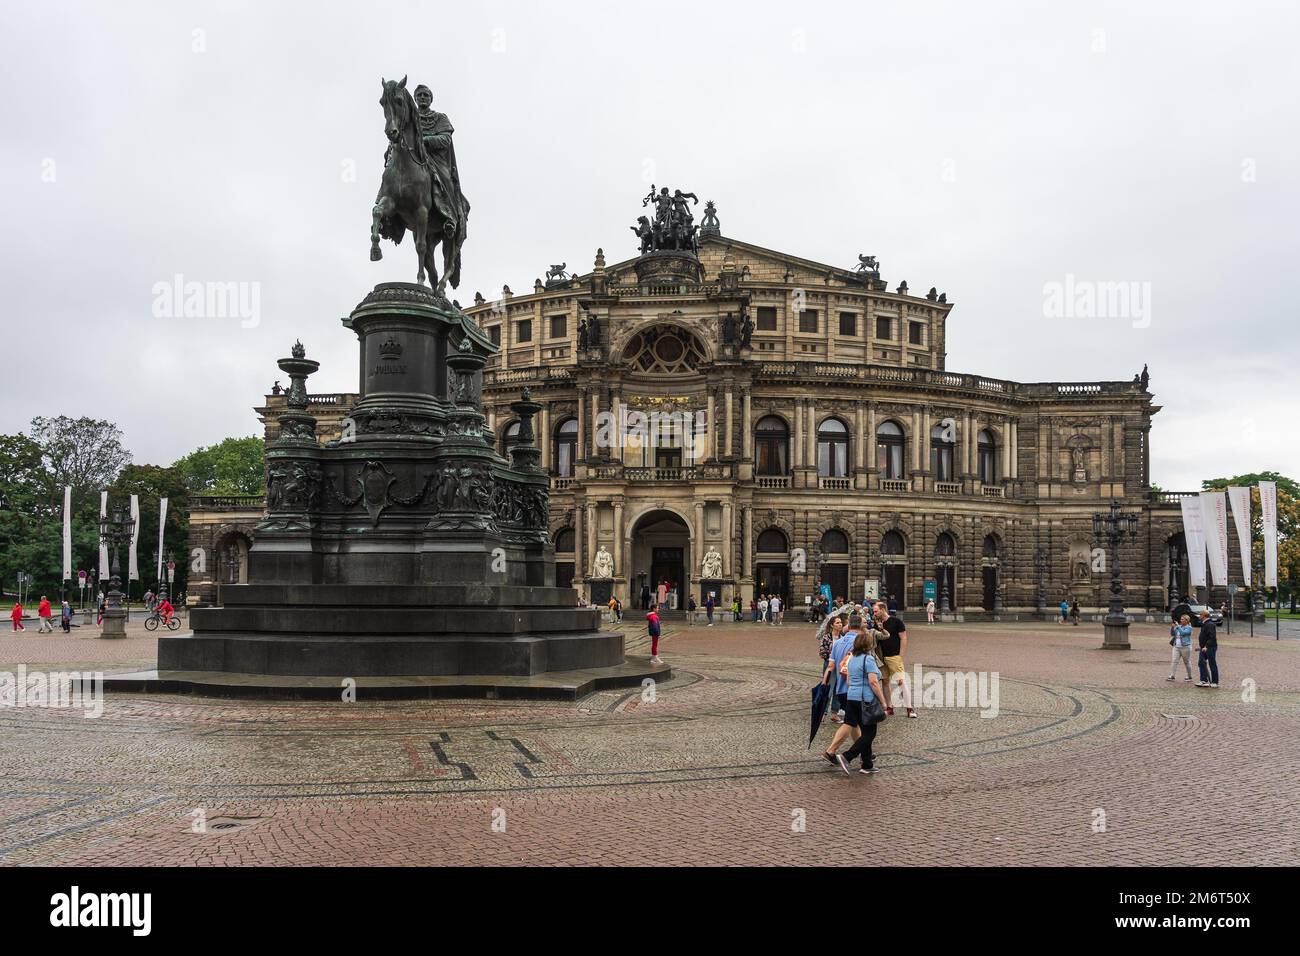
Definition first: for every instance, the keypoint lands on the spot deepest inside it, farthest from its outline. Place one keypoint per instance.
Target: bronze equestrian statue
(420, 190)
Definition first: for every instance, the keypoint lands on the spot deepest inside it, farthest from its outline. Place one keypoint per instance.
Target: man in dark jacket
(1209, 646)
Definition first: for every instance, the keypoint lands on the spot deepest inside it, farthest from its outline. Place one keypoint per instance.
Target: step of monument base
(368, 655)
(570, 685)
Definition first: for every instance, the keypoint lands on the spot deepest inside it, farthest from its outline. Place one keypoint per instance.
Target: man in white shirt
(776, 609)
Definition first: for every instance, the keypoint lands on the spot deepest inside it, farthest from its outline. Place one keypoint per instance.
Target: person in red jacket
(16, 615)
(44, 613)
(165, 610)
(652, 625)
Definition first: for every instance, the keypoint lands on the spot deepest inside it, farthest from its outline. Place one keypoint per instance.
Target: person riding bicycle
(165, 610)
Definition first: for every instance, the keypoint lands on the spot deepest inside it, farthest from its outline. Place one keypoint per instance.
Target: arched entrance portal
(661, 548)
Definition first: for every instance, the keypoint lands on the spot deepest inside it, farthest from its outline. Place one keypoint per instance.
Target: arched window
(564, 541)
(832, 449)
(889, 450)
(941, 447)
(566, 447)
(891, 543)
(771, 446)
(945, 546)
(772, 541)
(988, 458)
(835, 541)
(509, 437)
(991, 546)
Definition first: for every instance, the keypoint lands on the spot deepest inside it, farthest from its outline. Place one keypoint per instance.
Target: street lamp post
(114, 531)
(1114, 526)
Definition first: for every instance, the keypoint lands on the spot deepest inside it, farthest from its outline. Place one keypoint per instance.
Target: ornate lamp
(115, 529)
(1114, 527)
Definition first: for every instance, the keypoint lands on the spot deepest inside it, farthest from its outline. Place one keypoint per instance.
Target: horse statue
(557, 272)
(406, 192)
(867, 264)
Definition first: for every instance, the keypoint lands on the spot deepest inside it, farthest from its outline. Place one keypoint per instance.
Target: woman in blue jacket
(863, 675)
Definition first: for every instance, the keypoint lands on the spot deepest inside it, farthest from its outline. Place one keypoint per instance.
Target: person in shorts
(840, 652)
(892, 647)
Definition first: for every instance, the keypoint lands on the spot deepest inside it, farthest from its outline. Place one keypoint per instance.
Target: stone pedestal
(114, 622)
(1115, 633)
(408, 548)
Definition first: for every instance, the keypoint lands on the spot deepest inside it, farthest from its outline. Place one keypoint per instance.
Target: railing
(947, 487)
(924, 376)
(562, 484)
(1172, 497)
(994, 491)
(219, 502)
(895, 484)
(773, 481)
(835, 484)
(548, 373)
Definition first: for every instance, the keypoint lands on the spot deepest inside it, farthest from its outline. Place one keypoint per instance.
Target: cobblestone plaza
(708, 768)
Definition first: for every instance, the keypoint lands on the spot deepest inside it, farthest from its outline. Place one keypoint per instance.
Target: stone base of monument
(114, 624)
(570, 685)
(351, 630)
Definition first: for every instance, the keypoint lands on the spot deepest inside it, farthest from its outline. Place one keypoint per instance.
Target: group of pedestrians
(768, 609)
(1069, 611)
(863, 657)
(1207, 640)
(45, 612)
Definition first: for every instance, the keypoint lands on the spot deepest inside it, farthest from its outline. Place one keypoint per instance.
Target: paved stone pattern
(710, 768)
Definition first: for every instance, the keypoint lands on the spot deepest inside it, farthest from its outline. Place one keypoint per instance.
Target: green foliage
(85, 453)
(231, 467)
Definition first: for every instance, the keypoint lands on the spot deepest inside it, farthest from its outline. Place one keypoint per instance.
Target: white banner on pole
(1194, 534)
(1268, 514)
(133, 574)
(1239, 498)
(67, 532)
(103, 547)
(1214, 518)
(162, 521)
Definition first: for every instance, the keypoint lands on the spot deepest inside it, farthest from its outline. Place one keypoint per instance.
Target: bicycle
(153, 620)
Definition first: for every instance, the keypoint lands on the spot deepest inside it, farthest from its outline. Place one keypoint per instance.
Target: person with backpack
(690, 610)
(1207, 661)
(708, 608)
(65, 618)
(652, 626)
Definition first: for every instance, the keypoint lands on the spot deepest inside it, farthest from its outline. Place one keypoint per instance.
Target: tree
(85, 453)
(231, 467)
(152, 483)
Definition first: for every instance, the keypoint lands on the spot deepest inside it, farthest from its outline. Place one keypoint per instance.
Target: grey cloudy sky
(987, 149)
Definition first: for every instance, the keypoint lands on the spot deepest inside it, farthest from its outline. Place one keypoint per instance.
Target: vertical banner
(1194, 533)
(1268, 514)
(103, 548)
(162, 521)
(1239, 498)
(133, 574)
(1214, 519)
(67, 532)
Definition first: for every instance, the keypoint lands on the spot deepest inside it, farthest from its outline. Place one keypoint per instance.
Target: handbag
(873, 711)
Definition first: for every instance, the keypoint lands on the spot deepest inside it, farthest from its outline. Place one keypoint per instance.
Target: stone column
(711, 445)
(728, 533)
(726, 401)
(797, 450)
(747, 544)
(871, 438)
(581, 450)
(918, 440)
(1015, 451)
(544, 438)
(1006, 449)
(618, 540)
(579, 543)
(595, 418)
(812, 434)
(747, 426)
(697, 545)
